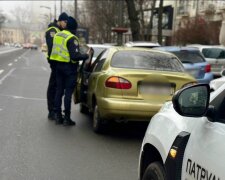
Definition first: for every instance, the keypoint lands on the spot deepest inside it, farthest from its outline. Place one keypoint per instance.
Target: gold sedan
(128, 84)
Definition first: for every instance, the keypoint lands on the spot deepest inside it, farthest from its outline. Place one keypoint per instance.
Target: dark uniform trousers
(66, 81)
(51, 91)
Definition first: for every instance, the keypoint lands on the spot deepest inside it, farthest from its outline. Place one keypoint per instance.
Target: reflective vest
(50, 28)
(60, 51)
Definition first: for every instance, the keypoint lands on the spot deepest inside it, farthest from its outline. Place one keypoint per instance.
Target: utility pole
(55, 9)
(174, 17)
(197, 6)
(120, 30)
(120, 22)
(61, 6)
(75, 10)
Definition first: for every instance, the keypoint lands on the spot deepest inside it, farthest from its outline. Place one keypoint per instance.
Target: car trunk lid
(152, 85)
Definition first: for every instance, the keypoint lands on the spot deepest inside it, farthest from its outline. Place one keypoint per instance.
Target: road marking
(27, 61)
(1, 109)
(15, 60)
(8, 74)
(10, 64)
(25, 53)
(1, 71)
(21, 97)
(8, 51)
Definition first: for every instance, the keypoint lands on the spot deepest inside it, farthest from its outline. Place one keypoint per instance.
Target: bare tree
(160, 22)
(134, 21)
(197, 31)
(2, 18)
(100, 16)
(23, 18)
(150, 25)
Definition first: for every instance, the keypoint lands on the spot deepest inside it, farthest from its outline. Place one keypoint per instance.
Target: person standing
(66, 53)
(53, 28)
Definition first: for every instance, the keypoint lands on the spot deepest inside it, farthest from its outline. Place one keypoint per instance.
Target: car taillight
(118, 83)
(207, 68)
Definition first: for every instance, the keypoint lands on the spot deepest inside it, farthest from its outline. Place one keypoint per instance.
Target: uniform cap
(63, 17)
(71, 23)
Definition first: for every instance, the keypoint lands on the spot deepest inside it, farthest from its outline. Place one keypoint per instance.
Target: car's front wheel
(155, 171)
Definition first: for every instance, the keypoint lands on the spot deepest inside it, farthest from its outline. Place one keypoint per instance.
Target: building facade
(12, 32)
(210, 11)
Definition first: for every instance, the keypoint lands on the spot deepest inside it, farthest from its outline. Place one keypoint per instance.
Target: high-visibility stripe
(53, 27)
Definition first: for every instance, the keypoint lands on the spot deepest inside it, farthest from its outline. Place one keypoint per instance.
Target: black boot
(51, 115)
(67, 121)
(58, 118)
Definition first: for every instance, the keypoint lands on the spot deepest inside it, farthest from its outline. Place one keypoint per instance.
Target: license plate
(156, 90)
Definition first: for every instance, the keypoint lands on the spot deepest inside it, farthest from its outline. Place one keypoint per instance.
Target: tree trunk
(150, 26)
(160, 22)
(133, 17)
(142, 30)
(222, 34)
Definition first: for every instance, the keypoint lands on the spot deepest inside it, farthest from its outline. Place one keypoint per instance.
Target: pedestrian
(53, 28)
(66, 53)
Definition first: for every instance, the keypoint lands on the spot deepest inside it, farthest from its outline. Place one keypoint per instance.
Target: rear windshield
(189, 56)
(146, 60)
(215, 53)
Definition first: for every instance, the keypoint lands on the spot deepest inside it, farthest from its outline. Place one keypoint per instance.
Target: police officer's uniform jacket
(66, 48)
(53, 28)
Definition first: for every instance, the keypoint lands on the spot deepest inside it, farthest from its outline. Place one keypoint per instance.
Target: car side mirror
(192, 101)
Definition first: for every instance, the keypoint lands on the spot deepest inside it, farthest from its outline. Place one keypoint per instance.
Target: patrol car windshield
(146, 60)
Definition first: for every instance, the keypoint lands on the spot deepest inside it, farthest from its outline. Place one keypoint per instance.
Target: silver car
(215, 56)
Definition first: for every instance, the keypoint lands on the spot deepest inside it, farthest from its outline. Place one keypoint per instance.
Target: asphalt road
(34, 148)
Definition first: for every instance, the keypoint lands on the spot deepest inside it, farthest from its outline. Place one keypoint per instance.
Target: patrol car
(185, 140)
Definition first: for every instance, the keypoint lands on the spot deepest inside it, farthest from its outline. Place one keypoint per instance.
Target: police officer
(53, 28)
(66, 53)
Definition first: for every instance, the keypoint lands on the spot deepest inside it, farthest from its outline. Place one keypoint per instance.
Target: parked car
(216, 83)
(34, 46)
(193, 61)
(27, 46)
(215, 56)
(17, 45)
(128, 84)
(185, 139)
(144, 44)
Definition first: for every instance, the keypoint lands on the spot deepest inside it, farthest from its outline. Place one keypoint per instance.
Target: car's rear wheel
(98, 124)
(84, 109)
(155, 171)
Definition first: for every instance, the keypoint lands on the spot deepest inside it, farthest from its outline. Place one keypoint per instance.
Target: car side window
(99, 65)
(97, 60)
(100, 62)
(219, 105)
